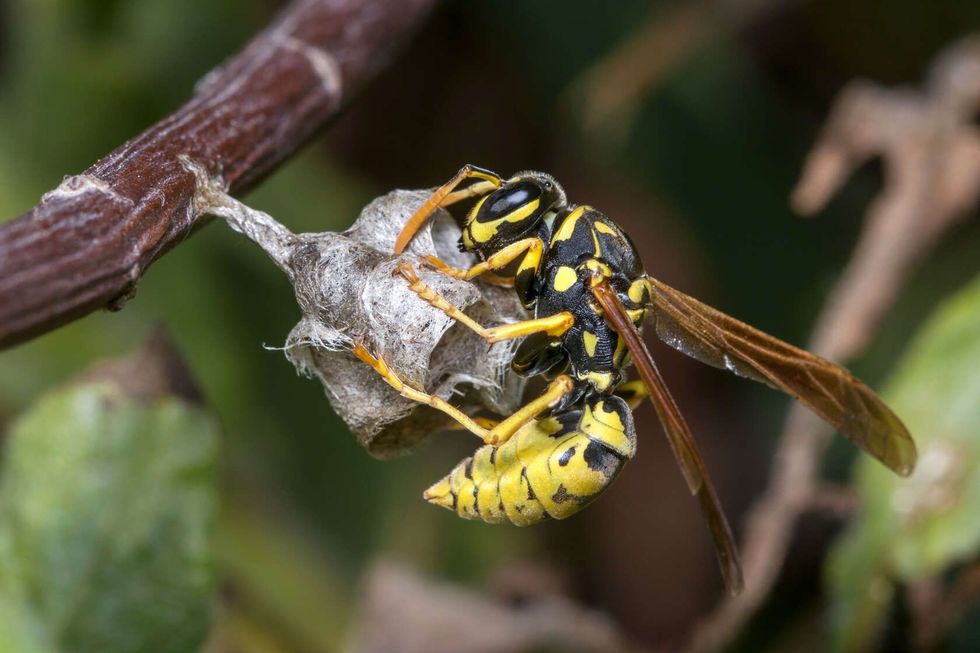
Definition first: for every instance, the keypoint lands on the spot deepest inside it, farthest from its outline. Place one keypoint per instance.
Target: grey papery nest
(348, 292)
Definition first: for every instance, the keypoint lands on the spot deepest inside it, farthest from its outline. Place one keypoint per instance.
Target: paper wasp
(581, 276)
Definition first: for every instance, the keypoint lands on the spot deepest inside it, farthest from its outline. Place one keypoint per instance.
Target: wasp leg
(501, 431)
(529, 251)
(632, 392)
(497, 280)
(485, 422)
(446, 195)
(554, 393)
(409, 392)
(489, 277)
(530, 248)
(553, 325)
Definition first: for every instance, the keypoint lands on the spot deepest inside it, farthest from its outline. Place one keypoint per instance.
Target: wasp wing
(678, 434)
(721, 535)
(830, 391)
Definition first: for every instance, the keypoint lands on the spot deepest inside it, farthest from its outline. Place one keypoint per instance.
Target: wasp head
(514, 211)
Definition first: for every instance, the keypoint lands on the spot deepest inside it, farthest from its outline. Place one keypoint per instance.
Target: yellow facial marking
(483, 231)
(595, 244)
(590, 341)
(523, 212)
(568, 225)
(476, 208)
(565, 278)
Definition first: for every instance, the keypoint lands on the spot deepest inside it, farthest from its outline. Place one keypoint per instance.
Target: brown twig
(932, 177)
(88, 242)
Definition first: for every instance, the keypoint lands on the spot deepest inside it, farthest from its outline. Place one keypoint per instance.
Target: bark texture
(88, 242)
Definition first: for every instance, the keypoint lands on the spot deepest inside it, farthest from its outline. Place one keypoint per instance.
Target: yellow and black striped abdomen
(552, 467)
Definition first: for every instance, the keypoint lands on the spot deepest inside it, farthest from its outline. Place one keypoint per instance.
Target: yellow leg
(497, 280)
(458, 273)
(553, 325)
(444, 196)
(484, 422)
(554, 393)
(473, 190)
(409, 392)
(530, 248)
(501, 431)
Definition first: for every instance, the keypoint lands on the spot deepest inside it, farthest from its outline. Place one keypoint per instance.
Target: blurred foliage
(918, 527)
(719, 142)
(282, 583)
(106, 510)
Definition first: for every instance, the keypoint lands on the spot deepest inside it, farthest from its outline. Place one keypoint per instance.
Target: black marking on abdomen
(562, 495)
(601, 459)
(566, 456)
(531, 496)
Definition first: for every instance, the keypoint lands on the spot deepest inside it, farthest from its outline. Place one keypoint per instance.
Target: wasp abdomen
(552, 467)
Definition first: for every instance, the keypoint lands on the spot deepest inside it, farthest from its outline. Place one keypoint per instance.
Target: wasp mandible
(582, 278)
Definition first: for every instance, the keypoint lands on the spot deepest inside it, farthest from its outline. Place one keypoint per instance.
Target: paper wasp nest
(348, 292)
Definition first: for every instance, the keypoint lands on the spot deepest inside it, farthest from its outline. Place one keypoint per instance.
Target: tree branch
(88, 242)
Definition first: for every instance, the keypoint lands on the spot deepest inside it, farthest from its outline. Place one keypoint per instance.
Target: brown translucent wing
(679, 436)
(827, 389)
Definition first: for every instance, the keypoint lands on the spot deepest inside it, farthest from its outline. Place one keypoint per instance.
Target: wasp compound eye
(512, 197)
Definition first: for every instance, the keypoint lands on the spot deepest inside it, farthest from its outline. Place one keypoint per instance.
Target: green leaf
(917, 527)
(106, 510)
